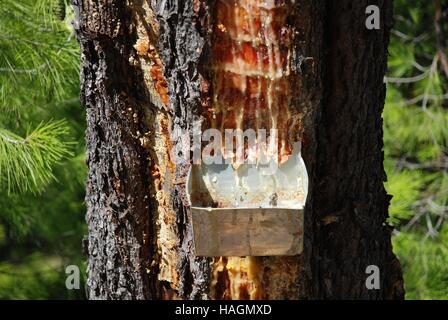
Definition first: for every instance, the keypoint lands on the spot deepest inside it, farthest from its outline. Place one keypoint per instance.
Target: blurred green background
(416, 140)
(42, 164)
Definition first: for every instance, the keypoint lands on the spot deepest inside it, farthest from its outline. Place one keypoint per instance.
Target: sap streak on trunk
(256, 72)
(254, 75)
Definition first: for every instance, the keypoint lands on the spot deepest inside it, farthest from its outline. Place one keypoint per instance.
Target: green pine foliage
(416, 140)
(425, 263)
(42, 165)
(27, 163)
(38, 71)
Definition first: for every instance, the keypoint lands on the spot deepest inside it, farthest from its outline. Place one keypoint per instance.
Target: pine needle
(26, 163)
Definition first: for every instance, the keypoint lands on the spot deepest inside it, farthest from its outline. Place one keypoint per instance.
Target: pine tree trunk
(145, 78)
(118, 215)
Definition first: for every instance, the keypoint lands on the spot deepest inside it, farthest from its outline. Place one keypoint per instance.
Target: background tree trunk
(140, 237)
(350, 205)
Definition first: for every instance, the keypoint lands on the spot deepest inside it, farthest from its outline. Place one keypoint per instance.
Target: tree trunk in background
(140, 235)
(350, 204)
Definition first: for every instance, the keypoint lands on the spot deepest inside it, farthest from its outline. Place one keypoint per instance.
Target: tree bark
(145, 79)
(350, 209)
(118, 215)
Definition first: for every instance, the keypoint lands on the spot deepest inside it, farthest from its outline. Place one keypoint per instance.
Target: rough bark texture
(140, 232)
(348, 226)
(117, 187)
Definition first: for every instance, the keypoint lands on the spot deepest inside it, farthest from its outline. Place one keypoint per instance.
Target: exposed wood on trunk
(254, 72)
(294, 27)
(154, 95)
